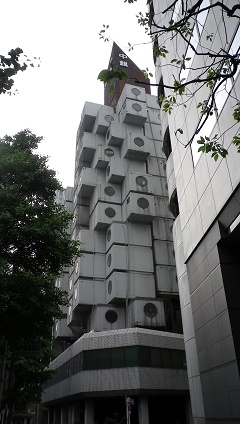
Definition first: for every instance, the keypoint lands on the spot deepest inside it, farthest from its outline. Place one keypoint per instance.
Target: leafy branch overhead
(111, 74)
(206, 70)
(10, 65)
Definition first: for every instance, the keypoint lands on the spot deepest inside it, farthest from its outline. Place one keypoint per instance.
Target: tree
(214, 74)
(10, 65)
(34, 250)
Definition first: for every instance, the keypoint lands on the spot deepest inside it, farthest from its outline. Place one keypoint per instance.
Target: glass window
(201, 18)
(222, 95)
(235, 43)
(78, 363)
(190, 54)
(104, 358)
(131, 356)
(155, 357)
(176, 359)
(117, 358)
(166, 358)
(184, 360)
(90, 360)
(144, 356)
(176, 12)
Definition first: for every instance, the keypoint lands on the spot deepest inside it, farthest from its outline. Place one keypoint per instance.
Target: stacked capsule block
(121, 217)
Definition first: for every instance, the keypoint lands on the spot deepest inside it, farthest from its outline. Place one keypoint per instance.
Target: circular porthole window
(110, 287)
(143, 203)
(109, 191)
(108, 118)
(137, 107)
(75, 294)
(109, 234)
(109, 152)
(142, 181)
(108, 170)
(110, 212)
(136, 91)
(111, 316)
(70, 285)
(109, 260)
(150, 310)
(138, 141)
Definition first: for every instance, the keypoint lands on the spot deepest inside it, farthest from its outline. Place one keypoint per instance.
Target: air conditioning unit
(136, 147)
(115, 134)
(133, 112)
(163, 229)
(166, 279)
(164, 252)
(104, 118)
(102, 155)
(136, 94)
(108, 193)
(92, 241)
(105, 318)
(129, 233)
(89, 114)
(91, 266)
(103, 216)
(146, 313)
(87, 147)
(129, 258)
(121, 286)
(140, 183)
(89, 292)
(138, 208)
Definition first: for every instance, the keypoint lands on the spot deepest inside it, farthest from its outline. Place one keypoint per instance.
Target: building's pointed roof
(121, 59)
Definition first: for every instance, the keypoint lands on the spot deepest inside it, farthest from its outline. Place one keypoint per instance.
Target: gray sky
(65, 35)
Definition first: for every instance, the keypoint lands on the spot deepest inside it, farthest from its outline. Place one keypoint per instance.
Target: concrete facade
(122, 333)
(206, 233)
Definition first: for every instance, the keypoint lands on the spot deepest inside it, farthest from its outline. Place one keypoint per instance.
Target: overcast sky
(65, 36)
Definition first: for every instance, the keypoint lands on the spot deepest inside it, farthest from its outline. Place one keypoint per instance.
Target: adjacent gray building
(204, 196)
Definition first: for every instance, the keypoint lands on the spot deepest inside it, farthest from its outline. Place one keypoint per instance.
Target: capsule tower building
(120, 344)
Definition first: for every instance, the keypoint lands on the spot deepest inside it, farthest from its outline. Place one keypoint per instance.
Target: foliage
(28, 371)
(10, 65)
(214, 72)
(34, 250)
(112, 73)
